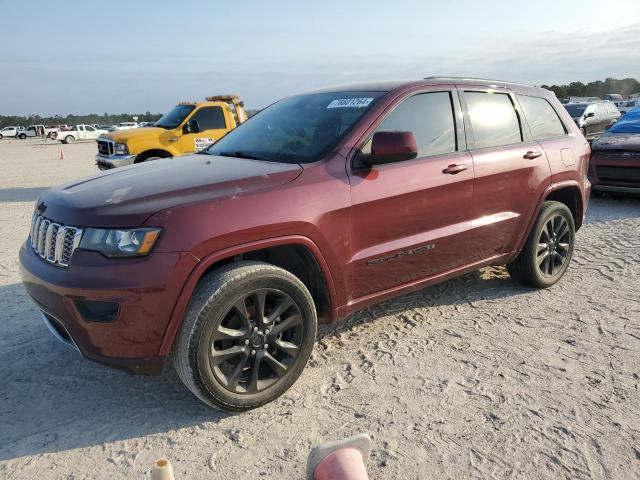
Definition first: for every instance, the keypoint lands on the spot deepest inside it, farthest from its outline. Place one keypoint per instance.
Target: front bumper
(612, 172)
(146, 290)
(114, 161)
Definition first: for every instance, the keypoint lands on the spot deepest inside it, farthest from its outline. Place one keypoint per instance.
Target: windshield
(174, 117)
(575, 110)
(298, 129)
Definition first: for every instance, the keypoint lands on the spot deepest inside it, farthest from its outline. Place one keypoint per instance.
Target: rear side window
(542, 118)
(430, 117)
(612, 107)
(493, 118)
(210, 118)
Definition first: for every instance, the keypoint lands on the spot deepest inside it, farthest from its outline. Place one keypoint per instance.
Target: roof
(387, 86)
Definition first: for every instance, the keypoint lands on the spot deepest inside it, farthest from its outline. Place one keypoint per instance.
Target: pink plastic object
(343, 464)
(344, 459)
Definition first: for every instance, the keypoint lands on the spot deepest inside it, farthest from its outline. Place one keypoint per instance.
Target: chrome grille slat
(52, 241)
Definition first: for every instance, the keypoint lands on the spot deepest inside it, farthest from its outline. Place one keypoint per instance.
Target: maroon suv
(320, 205)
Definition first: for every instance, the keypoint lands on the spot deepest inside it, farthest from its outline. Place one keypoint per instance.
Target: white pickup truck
(35, 131)
(79, 132)
(126, 125)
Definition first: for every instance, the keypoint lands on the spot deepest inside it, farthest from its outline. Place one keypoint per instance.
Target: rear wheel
(548, 249)
(1, 136)
(246, 336)
(22, 136)
(69, 139)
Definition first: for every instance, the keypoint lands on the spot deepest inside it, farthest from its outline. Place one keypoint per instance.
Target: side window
(430, 117)
(89, 129)
(542, 118)
(612, 107)
(601, 109)
(493, 118)
(210, 118)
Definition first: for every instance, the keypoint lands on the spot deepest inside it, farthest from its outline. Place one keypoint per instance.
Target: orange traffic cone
(61, 154)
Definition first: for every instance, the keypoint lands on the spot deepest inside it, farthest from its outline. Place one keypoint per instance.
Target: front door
(212, 125)
(409, 220)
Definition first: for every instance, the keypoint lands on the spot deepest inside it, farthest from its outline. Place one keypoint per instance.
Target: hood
(124, 136)
(617, 141)
(127, 196)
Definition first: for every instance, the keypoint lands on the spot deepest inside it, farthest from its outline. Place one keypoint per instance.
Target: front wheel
(22, 136)
(1, 136)
(548, 249)
(69, 139)
(247, 334)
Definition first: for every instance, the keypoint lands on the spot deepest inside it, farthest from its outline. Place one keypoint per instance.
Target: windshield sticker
(350, 103)
(202, 143)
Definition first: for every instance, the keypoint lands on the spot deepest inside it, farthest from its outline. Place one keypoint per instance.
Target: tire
(541, 267)
(1, 136)
(213, 323)
(69, 139)
(22, 136)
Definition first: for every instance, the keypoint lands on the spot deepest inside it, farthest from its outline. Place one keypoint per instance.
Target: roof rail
(472, 79)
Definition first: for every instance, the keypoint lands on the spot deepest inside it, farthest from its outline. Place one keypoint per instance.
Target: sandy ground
(473, 378)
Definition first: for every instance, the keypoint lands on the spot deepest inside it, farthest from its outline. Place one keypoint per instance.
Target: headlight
(121, 149)
(120, 243)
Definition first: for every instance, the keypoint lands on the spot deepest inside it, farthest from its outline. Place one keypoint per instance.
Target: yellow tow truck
(188, 127)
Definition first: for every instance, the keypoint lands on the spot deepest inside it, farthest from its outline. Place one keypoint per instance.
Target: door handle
(454, 169)
(530, 155)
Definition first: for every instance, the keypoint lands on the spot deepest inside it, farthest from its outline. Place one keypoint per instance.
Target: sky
(132, 56)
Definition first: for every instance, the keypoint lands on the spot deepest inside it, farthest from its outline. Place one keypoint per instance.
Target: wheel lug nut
(266, 332)
(266, 345)
(253, 352)
(246, 342)
(255, 329)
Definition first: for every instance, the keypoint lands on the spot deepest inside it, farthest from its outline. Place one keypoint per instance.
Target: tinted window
(430, 117)
(90, 129)
(174, 117)
(493, 119)
(299, 129)
(542, 118)
(210, 118)
(575, 110)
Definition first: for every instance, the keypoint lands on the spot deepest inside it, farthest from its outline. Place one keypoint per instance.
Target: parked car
(628, 105)
(35, 131)
(615, 157)
(126, 125)
(188, 127)
(9, 132)
(319, 205)
(593, 118)
(79, 132)
(108, 128)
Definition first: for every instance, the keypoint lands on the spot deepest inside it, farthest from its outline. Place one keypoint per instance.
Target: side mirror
(191, 126)
(589, 115)
(389, 147)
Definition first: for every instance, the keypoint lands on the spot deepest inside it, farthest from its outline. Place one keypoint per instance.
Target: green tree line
(599, 88)
(90, 119)
(104, 119)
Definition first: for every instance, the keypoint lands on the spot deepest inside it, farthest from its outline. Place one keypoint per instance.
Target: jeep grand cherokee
(319, 205)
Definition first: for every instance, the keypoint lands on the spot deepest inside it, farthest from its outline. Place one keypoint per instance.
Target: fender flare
(196, 274)
(547, 191)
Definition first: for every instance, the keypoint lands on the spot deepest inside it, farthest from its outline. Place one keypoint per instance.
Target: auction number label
(202, 143)
(350, 103)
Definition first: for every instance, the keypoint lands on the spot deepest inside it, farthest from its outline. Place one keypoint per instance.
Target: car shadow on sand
(53, 400)
(484, 284)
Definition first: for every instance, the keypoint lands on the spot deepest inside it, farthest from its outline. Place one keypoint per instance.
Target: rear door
(511, 171)
(212, 123)
(603, 117)
(409, 220)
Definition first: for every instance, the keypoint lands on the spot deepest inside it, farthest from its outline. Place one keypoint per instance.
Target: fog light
(95, 311)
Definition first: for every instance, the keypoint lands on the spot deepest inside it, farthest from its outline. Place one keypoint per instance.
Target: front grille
(105, 147)
(53, 242)
(619, 174)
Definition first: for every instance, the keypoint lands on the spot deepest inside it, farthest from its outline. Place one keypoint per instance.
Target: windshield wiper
(240, 154)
